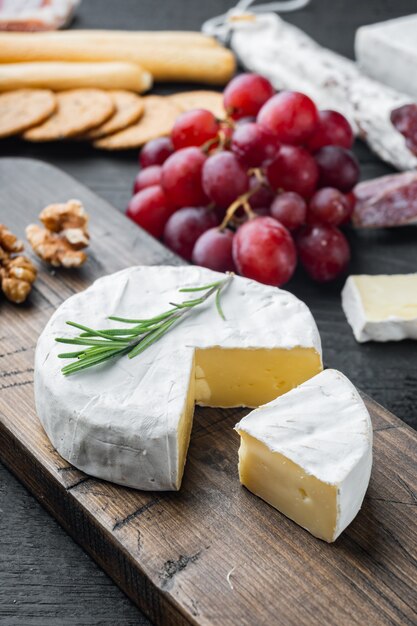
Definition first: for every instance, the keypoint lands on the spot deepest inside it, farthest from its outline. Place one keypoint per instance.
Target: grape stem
(220, 139)
(241, 201)
(257, 172)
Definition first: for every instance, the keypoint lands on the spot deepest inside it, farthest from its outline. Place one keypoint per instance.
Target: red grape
(194, 128)
(338, 168)
(156, 151)
(264, 250)
(262, 211)
(404, 119)
(290, 115)
(263, 196)
(245, 94)
(290, 209)
(253, 144)
(181, 178)
(293, 169)
(245, 120)
(184, 228)
(224, 178)
(351, 201)
(150, 209)
(328, 206)
(147, 177)
(213, 249)
(324, 251)
(332, 129)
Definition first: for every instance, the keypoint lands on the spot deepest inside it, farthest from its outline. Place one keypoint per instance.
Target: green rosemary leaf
(151, 338)
(112, 332)
(142, 321)
(88, 342)
(204, 288)
(106, 344)
(218, 305)
(98, 333)
(188, 304)
(70, 355)
(78, 366)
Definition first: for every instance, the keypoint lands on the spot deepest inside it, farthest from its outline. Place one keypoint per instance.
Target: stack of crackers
(109, 119)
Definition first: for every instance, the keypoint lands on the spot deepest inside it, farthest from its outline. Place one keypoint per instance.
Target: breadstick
(166, 62)
(58, 76)
(139, 37)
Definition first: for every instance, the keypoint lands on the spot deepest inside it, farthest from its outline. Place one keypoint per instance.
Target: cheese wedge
(129, 421)
(309, 453)
(381, 308)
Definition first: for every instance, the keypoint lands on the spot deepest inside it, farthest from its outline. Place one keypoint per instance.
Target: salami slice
(386, 201)
(35, 15)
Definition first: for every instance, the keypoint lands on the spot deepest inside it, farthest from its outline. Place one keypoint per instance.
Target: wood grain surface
(172, 552)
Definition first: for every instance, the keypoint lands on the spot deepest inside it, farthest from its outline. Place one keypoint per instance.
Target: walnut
(8, 241)
(59, 217)
(52, 248)
(65, 233)
(17, 273)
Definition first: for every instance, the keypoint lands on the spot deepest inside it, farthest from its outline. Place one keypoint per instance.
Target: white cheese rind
(387, 52)
(324, 427)
(392, 328)
(119, 421)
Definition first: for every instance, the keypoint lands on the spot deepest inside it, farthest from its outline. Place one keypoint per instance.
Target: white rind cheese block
(381, 308)
(387, 51)
(309, 453)
(129, 421)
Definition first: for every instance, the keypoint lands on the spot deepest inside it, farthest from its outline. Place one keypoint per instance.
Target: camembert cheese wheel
(129, 420)
(309, 453)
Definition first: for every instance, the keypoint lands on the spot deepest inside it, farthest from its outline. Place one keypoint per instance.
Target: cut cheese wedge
(129, 421)
(381, 308)
(309, 453)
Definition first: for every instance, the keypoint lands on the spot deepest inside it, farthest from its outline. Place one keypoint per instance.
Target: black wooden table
(46, 579)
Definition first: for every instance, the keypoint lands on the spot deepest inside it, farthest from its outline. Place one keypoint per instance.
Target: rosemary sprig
(106, 344)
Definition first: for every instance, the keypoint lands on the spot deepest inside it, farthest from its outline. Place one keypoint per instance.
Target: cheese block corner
(129, 421)
(309, 453)
(381, 307)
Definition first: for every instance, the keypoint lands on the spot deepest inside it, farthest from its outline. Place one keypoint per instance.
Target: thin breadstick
(59, 76)
(140, 37)
(166, 62)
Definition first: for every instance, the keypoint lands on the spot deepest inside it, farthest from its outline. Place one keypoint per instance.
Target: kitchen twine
(221, 25)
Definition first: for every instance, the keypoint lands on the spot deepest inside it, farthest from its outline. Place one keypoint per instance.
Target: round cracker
(157, 120)
(24, 108)
(203, 99)
(129, 108)
(77, 111)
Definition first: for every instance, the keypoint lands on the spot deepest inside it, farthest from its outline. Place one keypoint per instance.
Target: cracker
(77, 111)
(128, 109)
(24, 108)
(203, 99)
(158, 119)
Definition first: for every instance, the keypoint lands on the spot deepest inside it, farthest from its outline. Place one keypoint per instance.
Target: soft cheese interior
(130, 421)
(382, 307)
(309, 454)
(385, 297)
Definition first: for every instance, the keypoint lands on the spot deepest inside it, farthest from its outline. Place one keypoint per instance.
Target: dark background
(45, 578)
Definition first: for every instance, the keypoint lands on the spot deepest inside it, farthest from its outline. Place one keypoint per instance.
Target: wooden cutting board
(212, 554)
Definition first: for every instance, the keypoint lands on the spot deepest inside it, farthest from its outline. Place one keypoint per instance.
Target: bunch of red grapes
(251, 193)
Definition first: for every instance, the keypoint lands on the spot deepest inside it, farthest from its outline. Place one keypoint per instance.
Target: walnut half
(64, 234)
(17, 273)
(54, 249)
